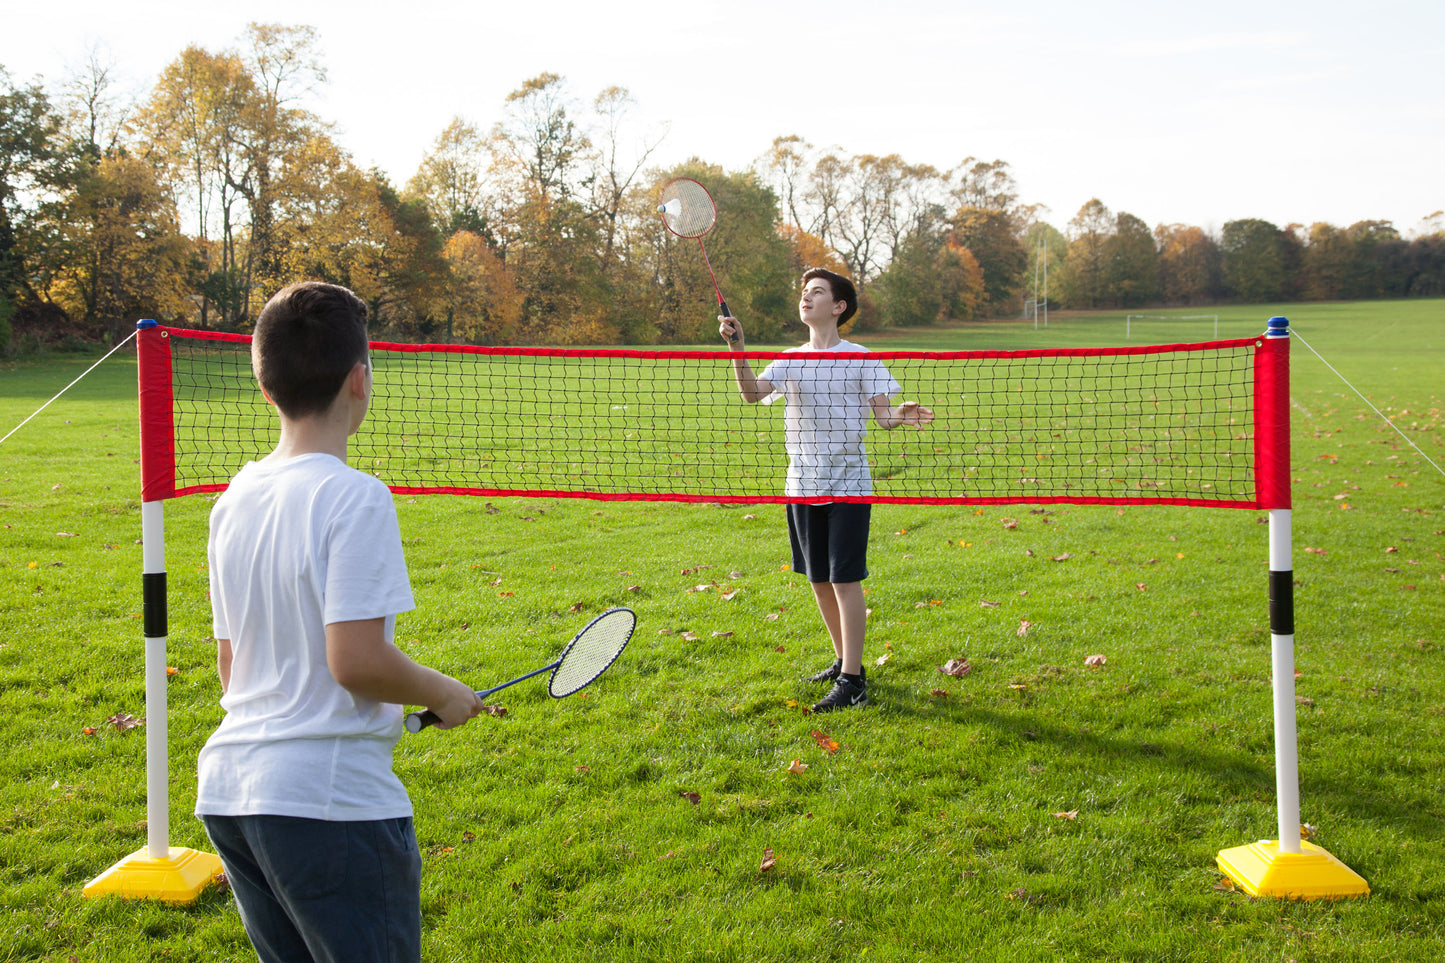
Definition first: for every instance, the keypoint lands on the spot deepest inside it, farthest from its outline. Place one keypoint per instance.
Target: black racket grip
(723, 307)
(418, 721)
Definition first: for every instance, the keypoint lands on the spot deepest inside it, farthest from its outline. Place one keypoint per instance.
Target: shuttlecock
(672, 208)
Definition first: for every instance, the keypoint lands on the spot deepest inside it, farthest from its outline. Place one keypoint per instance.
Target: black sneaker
(827, 675)
(844, 695)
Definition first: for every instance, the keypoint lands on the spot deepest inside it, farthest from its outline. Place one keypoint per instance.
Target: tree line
(194, 202)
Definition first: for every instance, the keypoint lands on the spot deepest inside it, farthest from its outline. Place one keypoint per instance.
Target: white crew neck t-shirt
(294, 546)
(827, 416)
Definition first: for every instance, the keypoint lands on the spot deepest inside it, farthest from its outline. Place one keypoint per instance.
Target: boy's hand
(912, 413)
(731, 330)
(459, 705)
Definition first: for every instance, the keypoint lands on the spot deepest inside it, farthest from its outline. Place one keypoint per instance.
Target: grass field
(631, 822)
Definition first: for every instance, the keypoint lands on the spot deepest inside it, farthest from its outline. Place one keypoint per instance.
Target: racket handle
(723, 307)
(418, 721)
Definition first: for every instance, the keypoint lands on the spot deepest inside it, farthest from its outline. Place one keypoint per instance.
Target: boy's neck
(310, 436)
(824, 336)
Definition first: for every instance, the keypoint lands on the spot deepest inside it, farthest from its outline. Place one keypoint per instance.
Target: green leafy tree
(1131, 263)
(1253, 258)
(32, 167)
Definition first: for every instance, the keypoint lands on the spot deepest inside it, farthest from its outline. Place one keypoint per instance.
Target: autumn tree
(1189, 264)
(452, 179)
(32, 167)
(1083, 277)
(481, 301)
(128, 256)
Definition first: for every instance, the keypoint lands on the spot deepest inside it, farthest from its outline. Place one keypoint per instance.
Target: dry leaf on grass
(768, 860)
(825, 741)
(1024, 626)
(691, 797)
(798, 767)
(1095, 659)
(958, 668)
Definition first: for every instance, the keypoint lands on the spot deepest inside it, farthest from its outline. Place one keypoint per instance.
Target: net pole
(156, 871)
(1281, 596)
(153, 589)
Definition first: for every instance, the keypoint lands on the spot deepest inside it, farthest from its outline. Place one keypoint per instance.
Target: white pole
(153, 577)
(1286, 745)
(1043, 243)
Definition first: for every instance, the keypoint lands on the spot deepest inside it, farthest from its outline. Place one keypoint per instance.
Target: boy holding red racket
(829, 401)
(296, 787)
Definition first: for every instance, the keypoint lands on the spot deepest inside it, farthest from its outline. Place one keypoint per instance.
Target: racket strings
(689, 210)
(589, 655)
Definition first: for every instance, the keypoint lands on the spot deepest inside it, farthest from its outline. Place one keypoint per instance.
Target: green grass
(560, 832)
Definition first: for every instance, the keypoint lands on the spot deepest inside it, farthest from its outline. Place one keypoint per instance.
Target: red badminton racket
(688, 210)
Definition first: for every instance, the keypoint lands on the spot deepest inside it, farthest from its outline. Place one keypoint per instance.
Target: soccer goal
(1204, 425)
(1132, 319)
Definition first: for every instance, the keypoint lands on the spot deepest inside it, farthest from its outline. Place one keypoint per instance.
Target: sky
(1195, 113)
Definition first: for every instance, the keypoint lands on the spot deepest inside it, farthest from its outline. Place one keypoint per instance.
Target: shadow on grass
(1237, 773)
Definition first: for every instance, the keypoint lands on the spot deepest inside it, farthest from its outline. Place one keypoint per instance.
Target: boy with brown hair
(307, 576)
(826, 421)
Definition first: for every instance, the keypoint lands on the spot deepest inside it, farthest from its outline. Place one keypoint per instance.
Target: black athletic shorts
(830, 542)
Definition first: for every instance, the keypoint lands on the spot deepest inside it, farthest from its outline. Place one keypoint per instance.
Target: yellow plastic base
(179, 878)
(1261, 869)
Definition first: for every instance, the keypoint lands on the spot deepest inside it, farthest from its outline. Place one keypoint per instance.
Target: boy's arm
(907, 413)
(223, 663)
(365, 664)
(752, 388)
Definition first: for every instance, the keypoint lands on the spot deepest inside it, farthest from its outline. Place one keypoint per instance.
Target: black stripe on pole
(1281, 602)
(153, 604)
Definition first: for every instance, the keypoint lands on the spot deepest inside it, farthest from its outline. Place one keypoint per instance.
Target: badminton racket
(688, 210)
(586, 657)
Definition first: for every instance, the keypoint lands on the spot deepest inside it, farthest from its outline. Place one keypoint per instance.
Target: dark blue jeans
(315, 891)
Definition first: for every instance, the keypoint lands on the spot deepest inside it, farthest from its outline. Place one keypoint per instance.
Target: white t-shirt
(296, 545)
(827, 418)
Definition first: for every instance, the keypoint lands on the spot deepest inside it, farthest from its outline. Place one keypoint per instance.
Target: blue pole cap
(146, 323)
(1278, 328)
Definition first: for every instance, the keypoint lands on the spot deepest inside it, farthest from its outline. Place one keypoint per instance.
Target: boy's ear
(358, 381)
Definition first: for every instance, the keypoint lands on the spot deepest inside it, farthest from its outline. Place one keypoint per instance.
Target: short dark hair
(842, 288)
(308, 337)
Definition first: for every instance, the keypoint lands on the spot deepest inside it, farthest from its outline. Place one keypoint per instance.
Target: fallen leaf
(1306, 831)
(1071, 814)
(88, 731)
(825, 741)
(1141, 586)
(497, 711)
(1095, 660)
(939, 693)
(124, 720)
(722, 635)
(1024, 626)
(1225, 885)
(1063, 558)
(172, 670)
(987, 604)
(798, 767)
(691, 797)
(1010, 523)
(729, 596)
(957, 668)
(768, 860)
(882, 660)
(1316, 551)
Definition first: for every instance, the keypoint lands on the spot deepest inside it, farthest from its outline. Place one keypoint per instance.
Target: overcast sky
(1176, 113)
